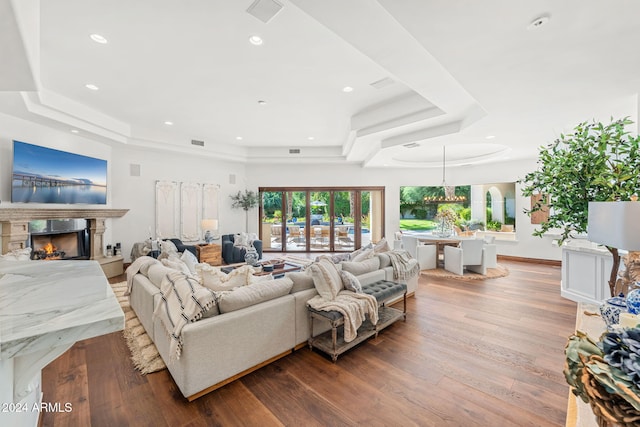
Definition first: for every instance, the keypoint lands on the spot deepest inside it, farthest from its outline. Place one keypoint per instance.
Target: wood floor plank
(472, 353)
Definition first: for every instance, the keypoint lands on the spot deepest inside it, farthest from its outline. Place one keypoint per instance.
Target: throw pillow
(256, 279)
(382, 246)
(362, 256)
(17, 255)
(302, 280)
(254, 294)
(359, 268)
(358, 251)
(241, 240)
(167, 246)
(190, 260)
(335, 258)
(326, 279)
(217, 280)
(350, 282)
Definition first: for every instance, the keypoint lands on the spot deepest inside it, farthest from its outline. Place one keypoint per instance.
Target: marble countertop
(46, 304)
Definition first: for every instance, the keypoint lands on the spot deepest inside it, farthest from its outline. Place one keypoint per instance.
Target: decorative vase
(611, 309)
(633, 301)
(251, 255)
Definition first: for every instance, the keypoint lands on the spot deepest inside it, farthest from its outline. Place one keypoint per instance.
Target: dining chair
(469, 255)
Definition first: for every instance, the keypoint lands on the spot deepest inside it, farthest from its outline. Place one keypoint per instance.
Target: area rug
(492, 273)
(144, 353)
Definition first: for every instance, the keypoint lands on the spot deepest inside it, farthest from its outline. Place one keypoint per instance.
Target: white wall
(526, 246)
(138, 193)
(124, 191)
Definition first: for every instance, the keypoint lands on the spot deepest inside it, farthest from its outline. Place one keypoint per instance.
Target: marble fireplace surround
(15, 225)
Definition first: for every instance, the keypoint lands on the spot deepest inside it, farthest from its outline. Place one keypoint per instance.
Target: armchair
(232, 254)
(469, 255)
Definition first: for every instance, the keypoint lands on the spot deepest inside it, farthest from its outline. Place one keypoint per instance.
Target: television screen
(45, 175)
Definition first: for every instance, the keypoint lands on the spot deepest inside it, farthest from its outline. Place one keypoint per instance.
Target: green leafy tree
(597, 162)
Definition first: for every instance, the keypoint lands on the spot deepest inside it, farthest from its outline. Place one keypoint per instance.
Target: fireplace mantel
(20, 214)
(15, 225)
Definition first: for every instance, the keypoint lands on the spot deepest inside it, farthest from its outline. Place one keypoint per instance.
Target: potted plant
(597, 162)
(247, 200)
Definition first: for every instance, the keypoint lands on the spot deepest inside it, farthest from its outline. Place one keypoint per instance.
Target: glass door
(320, 219)
(320, 225)
(344, 206)
(296, 202)
(271, 212)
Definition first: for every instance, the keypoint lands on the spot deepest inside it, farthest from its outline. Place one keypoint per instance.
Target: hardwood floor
(471, 353)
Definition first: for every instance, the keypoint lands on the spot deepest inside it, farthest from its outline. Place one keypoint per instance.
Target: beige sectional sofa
(247, 331)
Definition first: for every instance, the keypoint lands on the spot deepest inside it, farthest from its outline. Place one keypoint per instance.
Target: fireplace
(59, 239)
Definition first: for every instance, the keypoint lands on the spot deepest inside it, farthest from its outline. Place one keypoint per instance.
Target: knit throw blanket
(353, 308)
(400, 263)
(135, 268)
(184, 300)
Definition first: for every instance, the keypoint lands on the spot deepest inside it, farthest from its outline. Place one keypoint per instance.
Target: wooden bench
(332, 342)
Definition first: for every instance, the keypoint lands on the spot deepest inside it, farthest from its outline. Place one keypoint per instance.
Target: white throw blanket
(135, 268)
(353, 308)
(184, 300)
(400, 262)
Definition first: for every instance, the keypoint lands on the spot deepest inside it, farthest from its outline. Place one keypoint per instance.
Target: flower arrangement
(446, 218)
(606, 374)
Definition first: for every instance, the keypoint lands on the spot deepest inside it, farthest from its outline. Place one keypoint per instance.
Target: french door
(320, 219)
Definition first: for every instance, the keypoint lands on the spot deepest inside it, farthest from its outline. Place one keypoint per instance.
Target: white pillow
(217, 280)
(363, 256)
(167, 246)
(18, 255)
(382, 246)
(350, 282)
(190, 260)
(241, 240)
(326, 279)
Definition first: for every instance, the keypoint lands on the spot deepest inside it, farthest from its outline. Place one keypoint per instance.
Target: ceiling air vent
(379, 84)
(294, 151)
(198, 143)
(264, 10)
(411, 145)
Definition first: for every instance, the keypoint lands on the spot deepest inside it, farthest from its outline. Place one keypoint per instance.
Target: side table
(210, 253)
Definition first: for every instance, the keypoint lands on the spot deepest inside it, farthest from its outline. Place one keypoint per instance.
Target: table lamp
(617, 226)
(209, 226)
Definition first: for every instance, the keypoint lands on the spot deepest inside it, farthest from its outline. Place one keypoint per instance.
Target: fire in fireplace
(57, 241)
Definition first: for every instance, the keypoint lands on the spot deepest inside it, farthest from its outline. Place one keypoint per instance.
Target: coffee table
(277, 272)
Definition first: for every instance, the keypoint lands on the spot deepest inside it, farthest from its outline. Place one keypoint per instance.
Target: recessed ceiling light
(239, 138)
(74, 131)
(91, 86)
(261, 102)
(255, 40)
(168, 123)
(489, 137)
(538, 22)
(311, 138)
(347, 89)
(99, 39)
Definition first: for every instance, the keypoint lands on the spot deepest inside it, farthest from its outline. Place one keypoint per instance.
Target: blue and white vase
(611, 309)
(251, 255)
(633, 301)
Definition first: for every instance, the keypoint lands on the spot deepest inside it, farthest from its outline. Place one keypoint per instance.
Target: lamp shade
(209, 224)
(615, 224)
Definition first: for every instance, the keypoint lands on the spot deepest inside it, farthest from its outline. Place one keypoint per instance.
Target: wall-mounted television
(45, 175)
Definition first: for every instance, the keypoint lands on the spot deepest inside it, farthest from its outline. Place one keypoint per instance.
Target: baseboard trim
(553, 262)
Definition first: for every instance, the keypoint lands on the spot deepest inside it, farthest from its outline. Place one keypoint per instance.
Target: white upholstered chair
(427, 256)
(469, 255)
(409, 244)
(490, 252)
